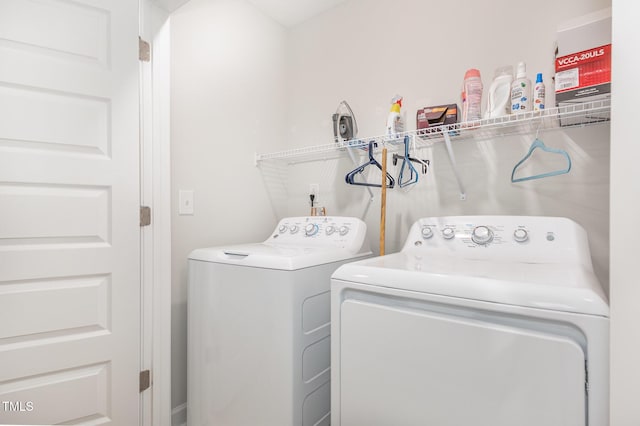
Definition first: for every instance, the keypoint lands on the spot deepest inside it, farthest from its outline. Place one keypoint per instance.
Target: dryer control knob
(448, 233)
(330, 230)
(343, 230)
(481, 235)
(294, 229)
(427, 232)
(520, 235)
(311, 229)
(282, 229)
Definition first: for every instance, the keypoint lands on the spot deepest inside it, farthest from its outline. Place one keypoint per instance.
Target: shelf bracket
(452, 159)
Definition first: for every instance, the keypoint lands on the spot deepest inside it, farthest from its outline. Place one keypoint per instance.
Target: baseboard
(179, 415)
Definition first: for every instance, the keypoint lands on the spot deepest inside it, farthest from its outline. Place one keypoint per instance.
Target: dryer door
(403, 365)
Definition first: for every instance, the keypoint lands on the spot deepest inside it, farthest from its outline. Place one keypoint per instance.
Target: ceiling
(292, 12)
(286, 12)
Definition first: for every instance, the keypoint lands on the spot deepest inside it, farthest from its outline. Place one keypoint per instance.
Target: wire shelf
(575, 115)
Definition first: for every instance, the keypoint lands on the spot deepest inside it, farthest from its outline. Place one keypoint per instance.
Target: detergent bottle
(395, 124)
(471, 95)
(499, 96)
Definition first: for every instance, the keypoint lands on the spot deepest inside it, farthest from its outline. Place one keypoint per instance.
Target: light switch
(185, 202)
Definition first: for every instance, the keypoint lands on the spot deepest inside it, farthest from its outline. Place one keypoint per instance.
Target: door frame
(155, 192)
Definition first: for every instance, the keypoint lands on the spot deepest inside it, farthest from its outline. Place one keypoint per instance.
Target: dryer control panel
(514, 238)
(320, 231)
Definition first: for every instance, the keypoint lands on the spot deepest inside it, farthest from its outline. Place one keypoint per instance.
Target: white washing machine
(259, 324)
(484, 321)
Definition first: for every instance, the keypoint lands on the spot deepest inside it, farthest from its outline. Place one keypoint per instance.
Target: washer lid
(269, 256)
(558, 287)
(296, 243)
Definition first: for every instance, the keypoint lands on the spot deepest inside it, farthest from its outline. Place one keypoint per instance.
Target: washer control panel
(472, 234)
(319, 231)
(526, 237)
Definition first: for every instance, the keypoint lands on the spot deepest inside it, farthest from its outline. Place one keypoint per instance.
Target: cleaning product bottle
(499, 96)
(521, 91)
(538, 93)
(395, 124)
(471, 95)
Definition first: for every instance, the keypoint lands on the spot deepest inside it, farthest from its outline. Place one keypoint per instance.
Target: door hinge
(145, 215)
(145, 380)
(144, 50)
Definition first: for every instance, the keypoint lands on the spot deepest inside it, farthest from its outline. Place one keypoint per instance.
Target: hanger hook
(538, 130)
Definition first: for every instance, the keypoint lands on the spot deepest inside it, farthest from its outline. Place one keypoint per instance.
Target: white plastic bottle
(538, 93)
(521, 91)
(499, 96)
(472, 96)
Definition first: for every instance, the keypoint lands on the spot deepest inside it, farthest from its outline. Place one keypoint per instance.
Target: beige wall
(227, 102)
(365, 51)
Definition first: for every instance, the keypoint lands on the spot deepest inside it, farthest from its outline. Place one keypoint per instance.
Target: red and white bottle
(472, 96)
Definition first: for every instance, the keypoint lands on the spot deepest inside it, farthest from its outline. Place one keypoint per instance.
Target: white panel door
(69, 196)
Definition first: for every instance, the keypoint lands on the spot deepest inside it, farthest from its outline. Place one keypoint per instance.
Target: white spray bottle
(395, 124)
(521, 91)
(538, 93)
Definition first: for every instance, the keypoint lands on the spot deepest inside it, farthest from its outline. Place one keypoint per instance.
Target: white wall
(365, 51)
(228, 101)
(625, 211)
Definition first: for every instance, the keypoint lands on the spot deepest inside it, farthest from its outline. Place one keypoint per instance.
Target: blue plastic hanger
(423, 163)
(406, 161)
(539, 144)
(349, 178)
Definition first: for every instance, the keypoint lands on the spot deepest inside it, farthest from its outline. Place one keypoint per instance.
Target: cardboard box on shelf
(583, 62)
(583, 77)
(436, 116)
(584, 32)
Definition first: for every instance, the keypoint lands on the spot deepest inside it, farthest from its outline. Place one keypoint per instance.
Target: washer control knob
(343, 230)
(311, 229)
(294, 229)
(282, 229)
(427, 232)
(481, 235)
(520, 235)
(330, 230)
(448, 233)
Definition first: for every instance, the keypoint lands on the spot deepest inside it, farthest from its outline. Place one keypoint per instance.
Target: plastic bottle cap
(539, 78)
(472, 73)
(522, 70)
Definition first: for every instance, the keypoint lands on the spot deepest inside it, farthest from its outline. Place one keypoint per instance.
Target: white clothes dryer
(259, 324)
(484, 321)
